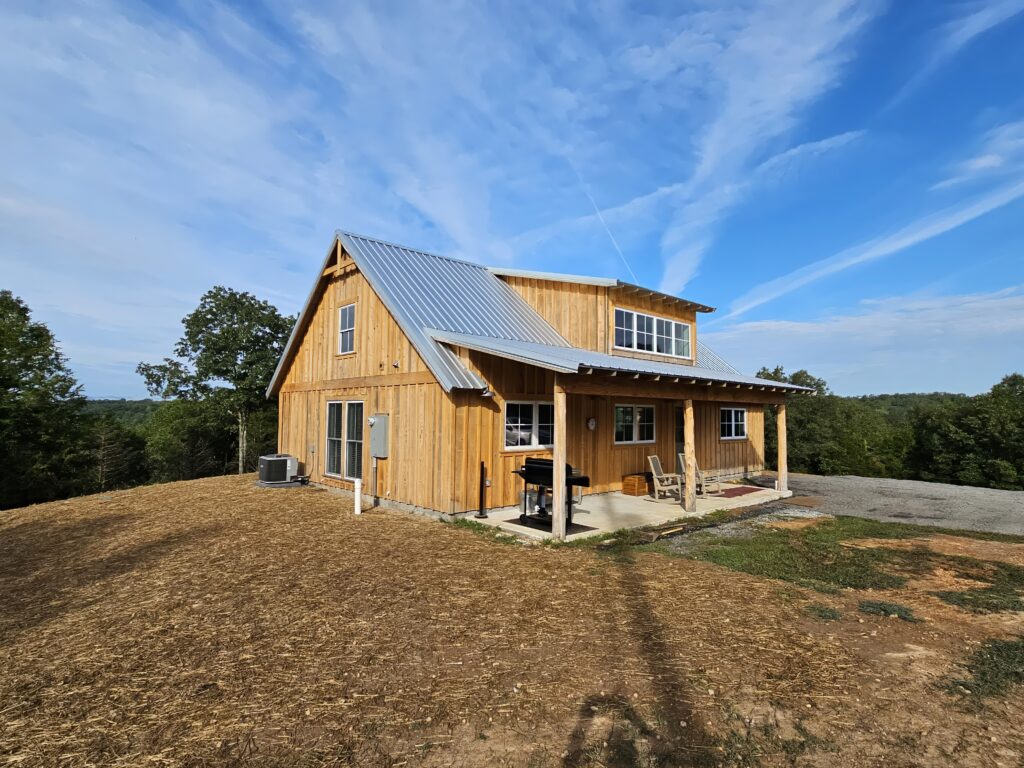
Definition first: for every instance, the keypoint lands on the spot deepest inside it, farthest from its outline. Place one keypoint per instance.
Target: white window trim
(636, 424)
(745, 431)
(654, 334)
(534, 445)
(353, 329)
(345, 440)
(328, 438)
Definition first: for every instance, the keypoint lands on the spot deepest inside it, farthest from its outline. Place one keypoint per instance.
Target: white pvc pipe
(359, 497)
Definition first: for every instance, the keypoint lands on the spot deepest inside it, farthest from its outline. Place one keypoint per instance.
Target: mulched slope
(214, 622)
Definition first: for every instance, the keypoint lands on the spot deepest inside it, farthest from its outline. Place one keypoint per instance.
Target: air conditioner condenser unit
(278, 468)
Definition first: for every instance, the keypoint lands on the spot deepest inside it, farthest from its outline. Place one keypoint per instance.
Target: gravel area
(912, 501)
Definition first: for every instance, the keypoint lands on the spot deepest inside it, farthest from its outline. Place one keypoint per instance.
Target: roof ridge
(409, 248)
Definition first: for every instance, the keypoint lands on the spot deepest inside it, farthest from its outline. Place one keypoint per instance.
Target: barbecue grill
(540, 473)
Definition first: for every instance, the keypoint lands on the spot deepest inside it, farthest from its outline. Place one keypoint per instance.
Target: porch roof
(576, 360)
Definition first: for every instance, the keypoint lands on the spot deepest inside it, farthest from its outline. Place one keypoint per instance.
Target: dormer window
(347, 329)
(641, 332)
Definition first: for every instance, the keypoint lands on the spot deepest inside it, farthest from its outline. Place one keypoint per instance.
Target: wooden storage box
(636, 485)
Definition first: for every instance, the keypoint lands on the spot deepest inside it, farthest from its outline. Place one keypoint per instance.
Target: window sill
(636, 442)
(528, 448)
(732, 439)
(345, 354)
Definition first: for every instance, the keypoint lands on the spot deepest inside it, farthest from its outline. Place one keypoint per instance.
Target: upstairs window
(646, 333)
(347, 329)
(732, 423)
(634, 424)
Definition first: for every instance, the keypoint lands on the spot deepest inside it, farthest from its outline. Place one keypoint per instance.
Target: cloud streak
(957, 34)
(894, 344)
(917, 232)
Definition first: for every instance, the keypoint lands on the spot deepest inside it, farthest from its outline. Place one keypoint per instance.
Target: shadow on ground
(45, 564)
(674, 738)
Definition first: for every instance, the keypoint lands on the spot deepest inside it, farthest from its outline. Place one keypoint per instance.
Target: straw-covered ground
(217, 623)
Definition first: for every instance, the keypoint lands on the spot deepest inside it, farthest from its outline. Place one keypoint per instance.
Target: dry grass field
(214, 623)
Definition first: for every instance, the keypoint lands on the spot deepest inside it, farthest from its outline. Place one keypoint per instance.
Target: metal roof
(574, 360)
(423, 290)
(603, 282)
(438, 301)
(706, 358)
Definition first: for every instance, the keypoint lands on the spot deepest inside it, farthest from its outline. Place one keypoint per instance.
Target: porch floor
(606, 512)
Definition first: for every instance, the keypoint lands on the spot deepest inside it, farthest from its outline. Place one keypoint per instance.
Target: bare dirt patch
(216, 623)
(979, 549)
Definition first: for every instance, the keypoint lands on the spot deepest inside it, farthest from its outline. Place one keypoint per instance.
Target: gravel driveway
(912, 501)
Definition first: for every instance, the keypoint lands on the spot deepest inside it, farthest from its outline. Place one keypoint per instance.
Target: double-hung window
(732, 423)
(332, 461)
(647, 333)
(634, 424)
(529, 425)
(347, 329)
(344, 456)
(354, 441)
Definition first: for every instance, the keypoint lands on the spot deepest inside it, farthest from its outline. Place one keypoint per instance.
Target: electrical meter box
(379, 436)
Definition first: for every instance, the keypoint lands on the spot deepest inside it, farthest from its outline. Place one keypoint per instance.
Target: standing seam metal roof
(423, 290)
(437, 299)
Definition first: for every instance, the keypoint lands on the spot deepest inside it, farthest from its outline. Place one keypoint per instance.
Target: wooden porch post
(689, 460)
(558, 476)
(783, 467)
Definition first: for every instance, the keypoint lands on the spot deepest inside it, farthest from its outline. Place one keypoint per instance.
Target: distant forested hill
(130, 413)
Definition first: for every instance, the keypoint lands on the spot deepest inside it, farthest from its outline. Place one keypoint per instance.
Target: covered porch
(601, 513)
(618, 510)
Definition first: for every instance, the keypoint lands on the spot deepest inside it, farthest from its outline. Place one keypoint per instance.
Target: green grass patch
(487, 531)
(1006, 583)
(879, 608)
(823, 612)
(995, 667)
(815, 557)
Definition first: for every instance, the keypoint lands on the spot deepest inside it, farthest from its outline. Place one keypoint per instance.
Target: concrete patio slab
(607, 512)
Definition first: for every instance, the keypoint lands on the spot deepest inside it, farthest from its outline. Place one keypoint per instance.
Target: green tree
(188, 439)
(118, 456)
(42, 428)
(228, 352)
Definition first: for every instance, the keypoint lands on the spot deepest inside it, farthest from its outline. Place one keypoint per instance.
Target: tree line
(213, 418)
(54, 443)
(938, 437)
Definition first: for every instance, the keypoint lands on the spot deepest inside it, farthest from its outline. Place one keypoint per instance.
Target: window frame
(535, 444)
(346, 440)
(636, 407)
(631, 318)
(351, 330)
(328, 438)
(732, 409)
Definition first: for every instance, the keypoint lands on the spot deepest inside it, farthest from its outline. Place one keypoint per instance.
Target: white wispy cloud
(1000, 152)
(957, 33)
(893, 344)
(916, 232)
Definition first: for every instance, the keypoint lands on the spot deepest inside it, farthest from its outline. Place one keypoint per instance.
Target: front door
(680, 438)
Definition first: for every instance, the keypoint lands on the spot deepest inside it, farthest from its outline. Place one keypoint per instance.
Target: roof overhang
(575, 360)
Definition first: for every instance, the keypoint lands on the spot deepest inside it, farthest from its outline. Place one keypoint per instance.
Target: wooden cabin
(457, 373)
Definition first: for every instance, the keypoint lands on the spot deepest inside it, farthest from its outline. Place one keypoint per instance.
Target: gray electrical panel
(379, 436)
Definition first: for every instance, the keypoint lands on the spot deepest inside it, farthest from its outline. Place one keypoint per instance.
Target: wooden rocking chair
(664, 482)
(704, 479)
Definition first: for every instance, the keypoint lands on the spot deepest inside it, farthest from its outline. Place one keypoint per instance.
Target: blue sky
(843, 180)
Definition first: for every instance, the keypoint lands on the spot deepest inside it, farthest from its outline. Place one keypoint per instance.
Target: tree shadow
(44, 564)
(675, 738)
